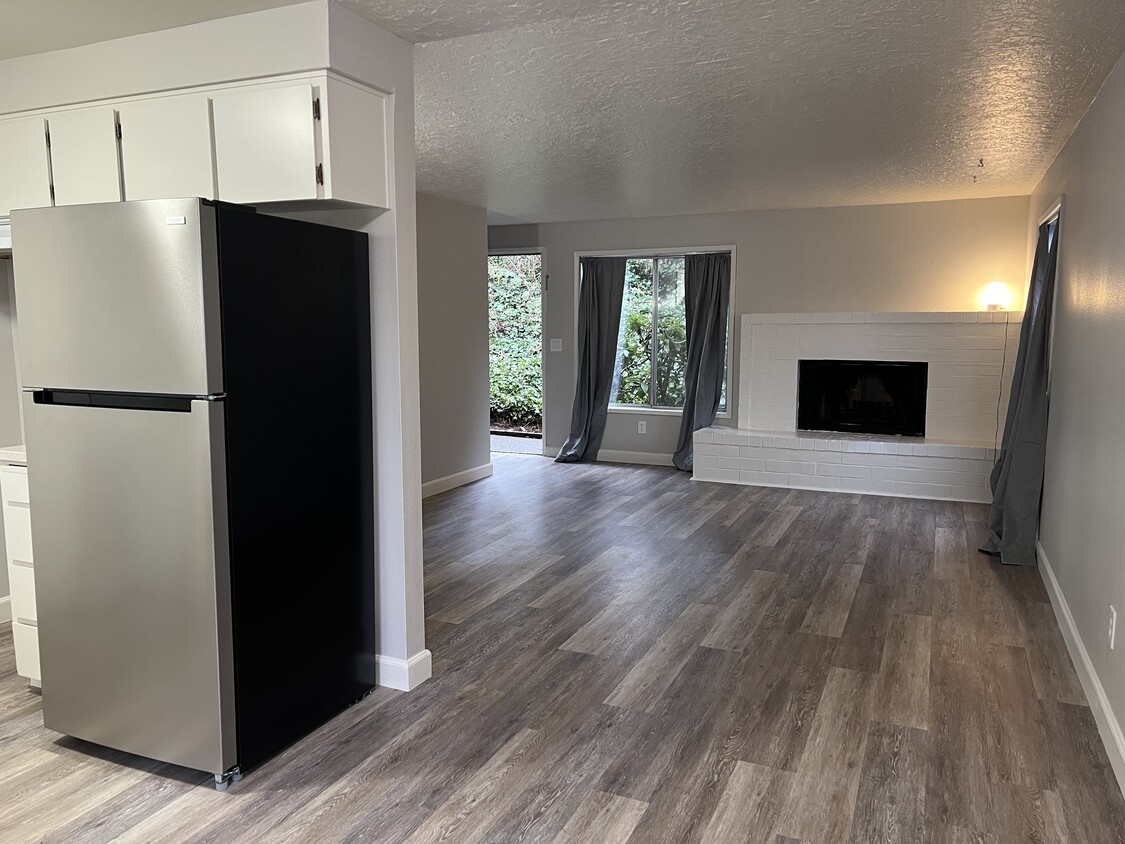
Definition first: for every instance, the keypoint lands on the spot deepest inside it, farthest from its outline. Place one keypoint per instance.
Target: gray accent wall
(932, 256)
(10, 431)
(1082, 531)
(453, 336)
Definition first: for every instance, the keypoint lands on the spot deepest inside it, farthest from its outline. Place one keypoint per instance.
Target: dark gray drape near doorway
(1017, 477)
(706, 300)
(599, 320)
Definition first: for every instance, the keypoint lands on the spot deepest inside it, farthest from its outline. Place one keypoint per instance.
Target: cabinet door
(355, 140)
(166, 148)
(25, 174)
(265, 144)
(84, 158)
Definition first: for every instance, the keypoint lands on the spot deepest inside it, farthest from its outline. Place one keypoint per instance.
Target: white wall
(934, 256)
(1082, 530)
(311, 36)
(453, 337)
(9, 389)
(284, 40)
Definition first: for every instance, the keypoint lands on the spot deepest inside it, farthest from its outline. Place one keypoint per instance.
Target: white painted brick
(790, 467)
(751, 464)
(916, 490)
(767, 478)
(814, 482)
(843, 471)
(867, 485)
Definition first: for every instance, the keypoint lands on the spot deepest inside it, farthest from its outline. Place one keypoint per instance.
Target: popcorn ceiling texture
(547, 111)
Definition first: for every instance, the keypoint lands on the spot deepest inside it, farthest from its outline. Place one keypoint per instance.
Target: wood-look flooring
(622, 654)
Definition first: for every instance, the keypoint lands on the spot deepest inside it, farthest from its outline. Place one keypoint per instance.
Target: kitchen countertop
(13, 454)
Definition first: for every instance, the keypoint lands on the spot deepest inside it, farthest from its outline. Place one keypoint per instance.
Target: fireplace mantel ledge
(908, 317)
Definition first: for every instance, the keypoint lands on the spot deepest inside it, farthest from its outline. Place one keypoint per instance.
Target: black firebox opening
(862, 397)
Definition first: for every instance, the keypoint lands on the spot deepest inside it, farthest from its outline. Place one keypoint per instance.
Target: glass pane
(726, 360)
(515, 342)
(632, 373)
(671, 333)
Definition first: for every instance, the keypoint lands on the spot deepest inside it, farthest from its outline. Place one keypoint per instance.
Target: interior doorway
(515, 351)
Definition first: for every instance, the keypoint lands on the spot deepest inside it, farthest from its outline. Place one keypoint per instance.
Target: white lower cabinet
(21, 570)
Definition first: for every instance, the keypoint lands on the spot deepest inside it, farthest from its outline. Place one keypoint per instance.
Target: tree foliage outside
(634, 373)
(515, 342)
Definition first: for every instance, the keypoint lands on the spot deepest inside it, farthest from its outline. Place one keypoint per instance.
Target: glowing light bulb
(996, 296)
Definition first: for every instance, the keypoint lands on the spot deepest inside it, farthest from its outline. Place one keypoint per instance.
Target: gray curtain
(1017, 477)
(706, 299)
(599, 319)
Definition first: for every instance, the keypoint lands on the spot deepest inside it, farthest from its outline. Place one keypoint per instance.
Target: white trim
(1100, 706)
(403, 674)
(438, 485)
(5, 609)
(531, 250)
(644, 458)
(1054, 211)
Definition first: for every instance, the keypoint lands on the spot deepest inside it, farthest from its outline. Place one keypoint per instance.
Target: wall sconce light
(996, 296)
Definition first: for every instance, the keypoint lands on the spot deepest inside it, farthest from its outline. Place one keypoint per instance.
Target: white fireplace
(969, 357)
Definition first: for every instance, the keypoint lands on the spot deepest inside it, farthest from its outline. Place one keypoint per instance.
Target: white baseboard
(1108, 726)
(455, 480)
(5, 609)
(645, 458)
(403, 674)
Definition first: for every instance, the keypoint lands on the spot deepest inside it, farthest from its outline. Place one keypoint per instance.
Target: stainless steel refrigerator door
(119, 297)
(133, 579)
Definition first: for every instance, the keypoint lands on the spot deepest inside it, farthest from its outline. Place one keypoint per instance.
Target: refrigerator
(197, 401)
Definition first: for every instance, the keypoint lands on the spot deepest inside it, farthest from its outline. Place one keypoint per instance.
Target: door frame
(543, 342)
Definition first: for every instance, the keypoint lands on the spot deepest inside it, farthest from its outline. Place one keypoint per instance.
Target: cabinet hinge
(320, 174)
(316, 109)
(48, 140)
(52, 194)
(118, 125)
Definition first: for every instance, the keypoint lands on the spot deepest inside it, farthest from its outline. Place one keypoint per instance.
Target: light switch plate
(642, 427)
(556, 344)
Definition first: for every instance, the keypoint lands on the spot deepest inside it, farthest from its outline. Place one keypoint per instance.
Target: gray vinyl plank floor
(624, 655)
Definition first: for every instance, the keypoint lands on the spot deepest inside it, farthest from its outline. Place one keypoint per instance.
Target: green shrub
(515, 344)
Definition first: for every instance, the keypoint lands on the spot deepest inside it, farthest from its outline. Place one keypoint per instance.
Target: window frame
(665, 252)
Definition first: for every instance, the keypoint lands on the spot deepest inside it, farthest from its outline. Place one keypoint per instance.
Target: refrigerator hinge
(320, 174)
(316, 108)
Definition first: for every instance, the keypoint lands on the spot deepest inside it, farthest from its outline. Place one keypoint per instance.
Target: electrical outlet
(1112, 625)
(556, 344)
(642, 427)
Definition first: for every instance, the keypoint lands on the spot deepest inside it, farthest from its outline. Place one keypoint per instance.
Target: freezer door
(132, 578)
(122, 297)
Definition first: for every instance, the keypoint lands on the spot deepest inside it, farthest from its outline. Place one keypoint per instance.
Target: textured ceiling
(602, 110)
(546, 110)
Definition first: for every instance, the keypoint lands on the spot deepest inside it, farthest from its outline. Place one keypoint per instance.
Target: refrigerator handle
(116, 401)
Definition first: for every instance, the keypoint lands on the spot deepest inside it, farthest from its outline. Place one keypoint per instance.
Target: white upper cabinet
(265, 144)
(25, 170)
(355, 139)
(166, 148)
(310, 137)
(84, 160)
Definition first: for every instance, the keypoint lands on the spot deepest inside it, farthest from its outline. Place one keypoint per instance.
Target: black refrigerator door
(297, 373)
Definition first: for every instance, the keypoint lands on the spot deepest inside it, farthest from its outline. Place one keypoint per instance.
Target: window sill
(656, 411)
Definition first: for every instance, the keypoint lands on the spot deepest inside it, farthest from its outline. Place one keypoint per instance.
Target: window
(650, 366)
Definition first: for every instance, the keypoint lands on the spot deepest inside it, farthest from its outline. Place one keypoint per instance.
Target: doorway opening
(515, 352)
